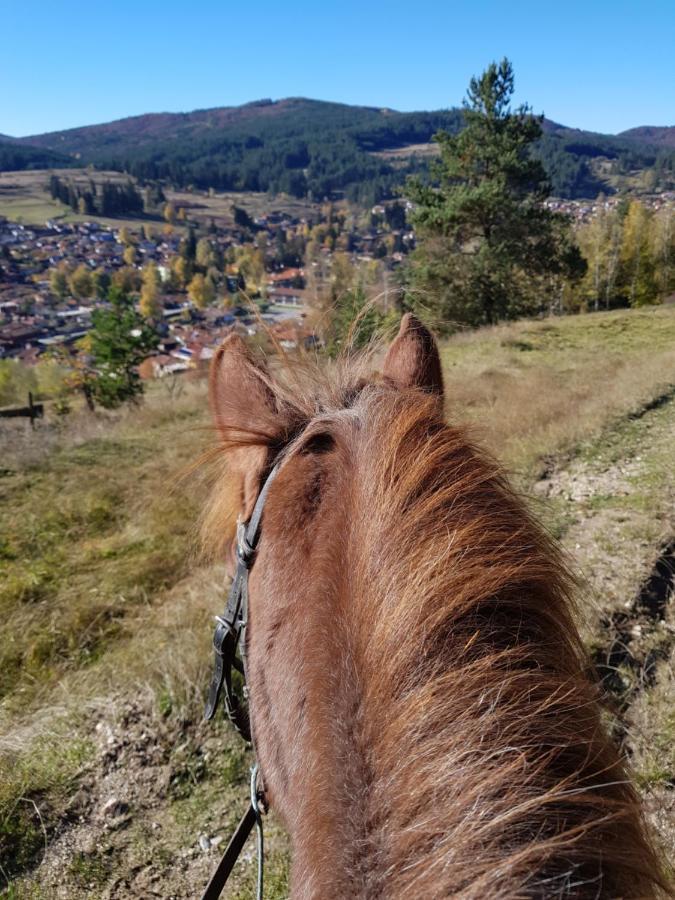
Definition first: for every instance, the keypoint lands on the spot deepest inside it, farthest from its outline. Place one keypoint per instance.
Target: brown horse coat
(424, 718)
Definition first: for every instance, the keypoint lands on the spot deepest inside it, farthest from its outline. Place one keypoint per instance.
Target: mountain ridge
(659, 134)
(319, 149)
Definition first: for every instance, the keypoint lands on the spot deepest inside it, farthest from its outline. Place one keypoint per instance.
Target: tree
(58, 281)
(204, 253)
(353, 322)
(201, 291)
(251, 264)
(188, 246)
(81, 283)
(242, 218)
(101, 283)
(150, 306)
(180, 272)
(119, 341)
(170, 213)
(127, 279)
(637, 261)
(664, 249)
(485, 238)
(129, 255)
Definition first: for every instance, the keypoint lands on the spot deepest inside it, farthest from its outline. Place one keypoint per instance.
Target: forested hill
(17, 155)
(314, 148)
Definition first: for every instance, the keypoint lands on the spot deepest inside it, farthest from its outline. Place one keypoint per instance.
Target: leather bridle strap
(230, 636)
(215, 886)
(231, 626)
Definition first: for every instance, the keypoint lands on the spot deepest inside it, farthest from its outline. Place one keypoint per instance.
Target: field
(108, 778)
(25, 198)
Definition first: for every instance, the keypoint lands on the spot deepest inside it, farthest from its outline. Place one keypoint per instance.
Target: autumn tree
(80, 282)
(485, 237)
(129, 255)
(170, 213)
(638, 270)
(664, 250)
(180, 272)
(127, 279)
(251, 264)
(58, 281)
(201, 291)
(204, 255)
(150, 306)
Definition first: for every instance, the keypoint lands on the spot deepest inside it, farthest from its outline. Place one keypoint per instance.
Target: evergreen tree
(188, 247)
(484, 234)
(101, 283)
(119, 340)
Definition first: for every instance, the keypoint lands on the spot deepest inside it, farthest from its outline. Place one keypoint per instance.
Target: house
(289, 278)
(160, 366)
(286, 296)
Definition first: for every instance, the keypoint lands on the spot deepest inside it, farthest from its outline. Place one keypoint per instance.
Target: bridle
(229, 643)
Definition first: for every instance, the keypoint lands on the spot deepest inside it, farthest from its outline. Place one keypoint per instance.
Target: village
(582, 211)
(35, 319)
(294, 257)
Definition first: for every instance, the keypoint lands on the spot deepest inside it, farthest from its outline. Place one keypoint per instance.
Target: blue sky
(596, 64)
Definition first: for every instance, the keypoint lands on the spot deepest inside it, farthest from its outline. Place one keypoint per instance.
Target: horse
(424, 714)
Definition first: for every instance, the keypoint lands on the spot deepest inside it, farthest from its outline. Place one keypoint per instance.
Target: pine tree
(485, 237)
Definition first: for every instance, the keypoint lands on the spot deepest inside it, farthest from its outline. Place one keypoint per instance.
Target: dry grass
(534, 389)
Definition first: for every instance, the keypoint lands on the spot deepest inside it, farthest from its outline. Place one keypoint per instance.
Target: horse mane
(482, 759)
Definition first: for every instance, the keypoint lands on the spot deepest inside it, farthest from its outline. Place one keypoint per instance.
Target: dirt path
(614, 507)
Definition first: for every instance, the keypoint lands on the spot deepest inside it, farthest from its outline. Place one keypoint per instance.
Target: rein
(229, 644)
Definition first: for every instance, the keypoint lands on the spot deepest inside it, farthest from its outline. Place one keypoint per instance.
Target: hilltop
(311, 148)
(663, 136)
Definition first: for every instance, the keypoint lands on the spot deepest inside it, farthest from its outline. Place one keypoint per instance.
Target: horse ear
(241, 398)
(245, 411)
(412, 361)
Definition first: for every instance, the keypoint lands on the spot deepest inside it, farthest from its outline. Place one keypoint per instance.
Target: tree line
(630, 253)
(107, 199)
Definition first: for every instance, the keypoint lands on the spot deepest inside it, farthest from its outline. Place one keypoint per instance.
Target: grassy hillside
(108, 778)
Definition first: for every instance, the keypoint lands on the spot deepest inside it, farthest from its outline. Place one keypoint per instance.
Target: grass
(103, 603)
(536, 389)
